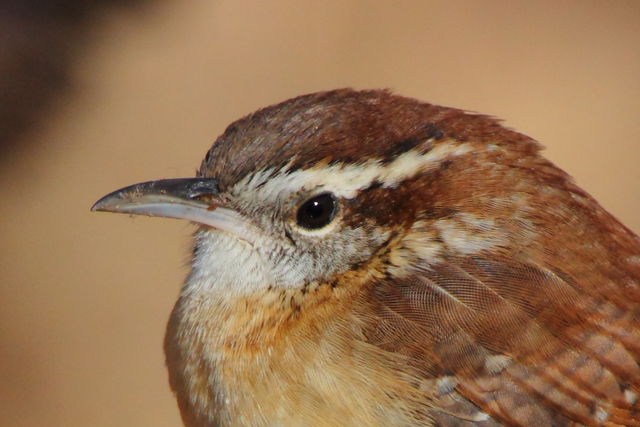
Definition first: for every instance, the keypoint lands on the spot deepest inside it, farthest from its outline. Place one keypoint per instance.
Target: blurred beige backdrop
(84, 297)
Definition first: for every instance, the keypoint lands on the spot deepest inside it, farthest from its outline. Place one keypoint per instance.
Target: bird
(362, 258)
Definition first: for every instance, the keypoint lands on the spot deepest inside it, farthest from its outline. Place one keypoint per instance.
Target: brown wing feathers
(497, 327)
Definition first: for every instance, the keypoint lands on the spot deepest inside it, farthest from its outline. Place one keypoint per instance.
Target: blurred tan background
(84, 297)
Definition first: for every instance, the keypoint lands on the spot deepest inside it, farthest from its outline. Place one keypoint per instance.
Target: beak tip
(100, 205)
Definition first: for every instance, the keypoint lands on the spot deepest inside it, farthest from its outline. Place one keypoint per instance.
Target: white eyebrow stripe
(345, 180)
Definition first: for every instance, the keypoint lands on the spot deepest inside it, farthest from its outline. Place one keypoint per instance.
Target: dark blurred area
(39, 39)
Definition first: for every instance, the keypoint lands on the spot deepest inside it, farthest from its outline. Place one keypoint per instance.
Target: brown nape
(348, 126)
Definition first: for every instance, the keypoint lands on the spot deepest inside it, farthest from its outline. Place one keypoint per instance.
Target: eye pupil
(317, 212)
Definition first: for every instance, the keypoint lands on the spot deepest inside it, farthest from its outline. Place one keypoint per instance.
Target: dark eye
(317, 212)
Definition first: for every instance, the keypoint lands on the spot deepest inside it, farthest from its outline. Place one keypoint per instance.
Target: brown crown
(345, 125)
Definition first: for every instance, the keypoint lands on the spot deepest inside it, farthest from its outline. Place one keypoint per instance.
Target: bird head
(298, 194)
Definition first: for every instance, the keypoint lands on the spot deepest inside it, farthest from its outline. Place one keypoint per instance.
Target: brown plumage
(456, 276)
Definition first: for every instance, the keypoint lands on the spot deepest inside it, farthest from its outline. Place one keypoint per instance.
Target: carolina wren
(363, 258)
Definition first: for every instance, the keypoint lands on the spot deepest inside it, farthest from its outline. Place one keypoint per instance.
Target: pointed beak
(192, 199)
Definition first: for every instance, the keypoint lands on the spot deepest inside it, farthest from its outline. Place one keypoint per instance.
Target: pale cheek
(222, 262)
(348, 247)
